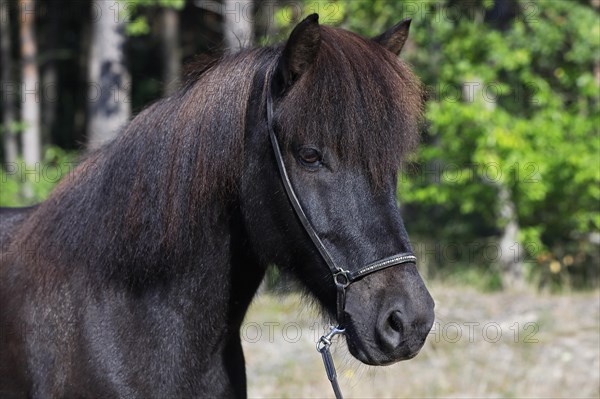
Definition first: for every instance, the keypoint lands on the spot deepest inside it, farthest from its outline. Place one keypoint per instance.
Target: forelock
(358, 99)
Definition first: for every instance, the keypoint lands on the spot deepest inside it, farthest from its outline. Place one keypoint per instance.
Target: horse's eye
(310, 156)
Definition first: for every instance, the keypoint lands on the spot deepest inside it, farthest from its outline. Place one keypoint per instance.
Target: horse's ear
(394, 38)
(299, 53)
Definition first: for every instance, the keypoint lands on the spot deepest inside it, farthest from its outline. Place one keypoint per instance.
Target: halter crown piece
(341, 277)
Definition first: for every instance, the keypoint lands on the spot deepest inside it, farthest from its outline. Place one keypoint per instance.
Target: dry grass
(556, 353)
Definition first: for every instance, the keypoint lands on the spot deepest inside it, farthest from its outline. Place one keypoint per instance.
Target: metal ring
(342, 278)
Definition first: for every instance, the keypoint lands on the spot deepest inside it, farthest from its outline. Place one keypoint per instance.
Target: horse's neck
(214, 294)
(210, 267)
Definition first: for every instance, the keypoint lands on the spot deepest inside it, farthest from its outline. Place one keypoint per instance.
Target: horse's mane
(151, 193)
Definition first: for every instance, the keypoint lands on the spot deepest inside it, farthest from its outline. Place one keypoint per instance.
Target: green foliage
(138, 24)
(330, 12)
(14, 127)
(531, 127)
(468, 276)
(22, 185)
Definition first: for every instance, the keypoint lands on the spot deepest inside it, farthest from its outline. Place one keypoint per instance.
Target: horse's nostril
(395, 321)
(391, 330)
(401, 332)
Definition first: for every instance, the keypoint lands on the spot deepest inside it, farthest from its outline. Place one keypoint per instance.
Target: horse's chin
(375, 357)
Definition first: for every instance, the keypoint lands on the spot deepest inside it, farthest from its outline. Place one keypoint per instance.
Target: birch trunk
(30, 109)
(238, 16)
(109, 105)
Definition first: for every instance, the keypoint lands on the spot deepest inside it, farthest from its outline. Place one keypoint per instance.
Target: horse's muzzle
(393, 324)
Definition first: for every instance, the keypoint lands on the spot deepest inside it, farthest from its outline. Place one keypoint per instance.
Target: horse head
(341, 111)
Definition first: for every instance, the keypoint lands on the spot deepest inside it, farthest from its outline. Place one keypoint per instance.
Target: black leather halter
(341, 277)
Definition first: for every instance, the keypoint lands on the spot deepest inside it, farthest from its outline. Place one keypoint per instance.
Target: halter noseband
(341, 277)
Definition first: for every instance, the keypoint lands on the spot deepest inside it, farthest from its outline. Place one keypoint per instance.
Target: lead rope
(323, 348)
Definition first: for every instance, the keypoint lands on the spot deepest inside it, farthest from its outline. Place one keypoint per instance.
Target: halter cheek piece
(341, 277)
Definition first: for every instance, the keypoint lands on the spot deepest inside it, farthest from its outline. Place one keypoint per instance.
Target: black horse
(133, 278)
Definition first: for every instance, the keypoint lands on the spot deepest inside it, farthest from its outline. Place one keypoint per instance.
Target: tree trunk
(83, 55)
(511, 250)
(8, 87)
(49, 72)
(30, 110)
(109, 103)
(510, 257)
(171, 49)
(238, 16)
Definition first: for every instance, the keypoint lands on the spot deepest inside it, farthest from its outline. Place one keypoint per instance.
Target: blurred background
(501, 200)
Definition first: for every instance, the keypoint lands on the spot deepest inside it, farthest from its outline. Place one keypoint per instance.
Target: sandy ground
(482, 346)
